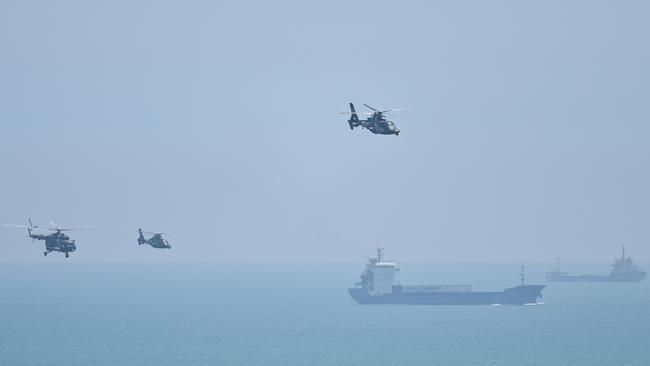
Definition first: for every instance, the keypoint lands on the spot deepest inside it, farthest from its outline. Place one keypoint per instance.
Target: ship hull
(636, 277)
(519, 295)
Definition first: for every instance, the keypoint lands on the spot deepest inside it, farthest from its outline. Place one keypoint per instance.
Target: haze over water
(217, 123)
(107, 313)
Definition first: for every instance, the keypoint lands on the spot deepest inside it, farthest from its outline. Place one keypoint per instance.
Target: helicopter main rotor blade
(19, 226)
(80, 228)
(387, 110)
(362, 113)
(70, 229)
(376, 110)
(150, 233)
(87, 227)
(396, 109)
(25, 227)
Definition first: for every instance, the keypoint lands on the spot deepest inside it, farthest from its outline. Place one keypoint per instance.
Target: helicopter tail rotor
(29, 229)
(141, 239)
(354, 118)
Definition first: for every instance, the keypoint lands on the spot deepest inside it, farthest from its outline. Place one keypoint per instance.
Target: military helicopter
(156, 241)
(58, 241)
(375, 123)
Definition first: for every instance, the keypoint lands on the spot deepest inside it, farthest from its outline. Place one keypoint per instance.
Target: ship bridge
(383, 277)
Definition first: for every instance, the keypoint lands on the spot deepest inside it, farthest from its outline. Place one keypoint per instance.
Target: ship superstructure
(623, 270)
(378, 285)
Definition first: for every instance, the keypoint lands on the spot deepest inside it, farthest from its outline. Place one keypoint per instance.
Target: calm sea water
(65, 312)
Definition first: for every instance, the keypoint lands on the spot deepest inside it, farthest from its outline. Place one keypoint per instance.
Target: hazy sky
(217, 123)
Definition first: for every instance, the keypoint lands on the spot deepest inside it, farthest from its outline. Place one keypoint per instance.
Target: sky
(218, 124)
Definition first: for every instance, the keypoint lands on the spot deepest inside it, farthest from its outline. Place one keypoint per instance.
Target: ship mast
(380, 253)
(557, 264)
(623, 252)
(522, 275)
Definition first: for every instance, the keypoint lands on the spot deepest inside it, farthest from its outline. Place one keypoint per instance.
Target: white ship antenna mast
(380, 253)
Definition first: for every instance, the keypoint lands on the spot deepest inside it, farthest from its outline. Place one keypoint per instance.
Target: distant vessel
(623, 270)
(377, 286)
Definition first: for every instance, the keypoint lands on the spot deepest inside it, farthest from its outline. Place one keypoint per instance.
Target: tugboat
(378, 286)
(623, 270)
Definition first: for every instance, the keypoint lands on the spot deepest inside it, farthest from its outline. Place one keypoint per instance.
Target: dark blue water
(63, 312)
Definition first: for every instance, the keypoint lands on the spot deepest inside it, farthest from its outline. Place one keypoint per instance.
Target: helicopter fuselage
(375, 123)
(56, 242)
(159, 243)
(156, 241)
(378, 124)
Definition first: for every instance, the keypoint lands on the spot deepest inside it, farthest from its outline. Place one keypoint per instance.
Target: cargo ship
(623, 270)
(378, 286)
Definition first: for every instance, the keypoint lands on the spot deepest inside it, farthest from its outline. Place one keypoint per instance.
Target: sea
(67, 312)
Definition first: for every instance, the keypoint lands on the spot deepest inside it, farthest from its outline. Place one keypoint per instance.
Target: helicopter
(375, 123)
(57, 241)
(156, 241)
